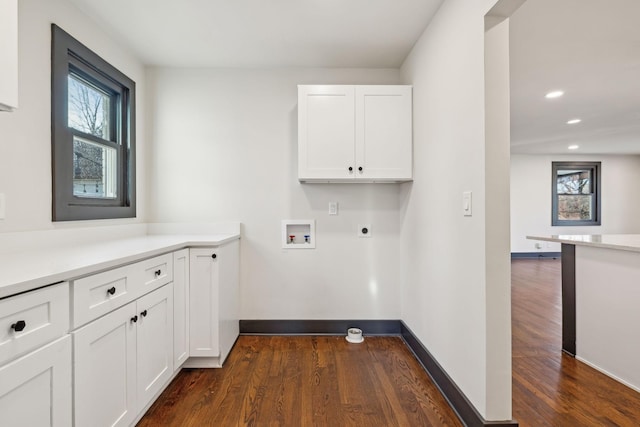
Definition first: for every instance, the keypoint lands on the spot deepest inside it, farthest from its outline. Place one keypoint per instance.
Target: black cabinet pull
(134, 319)
(350, 169)
(143, 313)
(111, 290)
(19, 326)
(158, 273)
(360, 169)
(214, 256)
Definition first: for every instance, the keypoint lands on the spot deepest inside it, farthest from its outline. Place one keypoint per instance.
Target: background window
(576, 193)
(93, 138)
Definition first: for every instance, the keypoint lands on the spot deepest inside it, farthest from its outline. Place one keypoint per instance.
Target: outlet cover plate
(364, 230)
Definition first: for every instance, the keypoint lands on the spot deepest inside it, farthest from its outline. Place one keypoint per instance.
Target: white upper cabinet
(354, 133)
(8, 55)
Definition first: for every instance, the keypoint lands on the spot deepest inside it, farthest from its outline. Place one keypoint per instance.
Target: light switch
(2, 206)
(466, 203)
(333, 208)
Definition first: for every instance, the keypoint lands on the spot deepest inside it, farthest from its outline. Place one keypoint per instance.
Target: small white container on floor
(354, 335)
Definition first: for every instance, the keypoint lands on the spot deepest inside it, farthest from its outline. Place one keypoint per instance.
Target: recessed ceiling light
(573, 147)
(554, 94)
(574, 121)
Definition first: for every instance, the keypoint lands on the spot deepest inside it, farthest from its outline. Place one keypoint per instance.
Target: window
(576, 193)
(93, 134)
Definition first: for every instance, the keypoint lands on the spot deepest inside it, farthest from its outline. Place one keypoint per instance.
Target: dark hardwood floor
(551, 388)
(305, 381)
(324, 381)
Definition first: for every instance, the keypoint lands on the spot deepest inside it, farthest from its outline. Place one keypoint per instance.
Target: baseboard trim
(318, 327)
(535, 255)
(467, 413)
(457, 400)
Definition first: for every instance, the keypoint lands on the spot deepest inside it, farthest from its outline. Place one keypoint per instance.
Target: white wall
(446, 292)
(25, 135)
(225, 148)
(531, 199)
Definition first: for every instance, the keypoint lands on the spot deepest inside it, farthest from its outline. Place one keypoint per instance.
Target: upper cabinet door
(326, 132)
(383, 133)
(8, 55)
(355, 133)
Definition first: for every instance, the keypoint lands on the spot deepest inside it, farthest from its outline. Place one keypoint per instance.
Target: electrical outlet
(333, 208)
(364, 230)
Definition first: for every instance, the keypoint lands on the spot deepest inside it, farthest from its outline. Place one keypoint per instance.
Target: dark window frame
(69, 56)
(595, 168)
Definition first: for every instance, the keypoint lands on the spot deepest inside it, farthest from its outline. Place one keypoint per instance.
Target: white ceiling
(261, 33)
(588, 48)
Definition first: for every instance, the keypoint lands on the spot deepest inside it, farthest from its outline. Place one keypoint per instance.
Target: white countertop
(623, 242)
(27, 270)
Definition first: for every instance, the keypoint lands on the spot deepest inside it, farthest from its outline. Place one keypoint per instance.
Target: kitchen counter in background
(623, 242)
(600, 300)
(42, 258)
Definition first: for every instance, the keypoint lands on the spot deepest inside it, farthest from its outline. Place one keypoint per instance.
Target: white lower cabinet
(154, 345)
(122, 360)
(133, 327)
(180, 307)
(214, 303)
(35, 390)
(104, 370)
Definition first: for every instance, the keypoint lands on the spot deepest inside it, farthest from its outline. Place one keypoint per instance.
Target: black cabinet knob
(214, 256)
(158, 273)
(350, 169)
(360, 168)
(111, 290)
(19, 326)
(134, 319)
(143, 313)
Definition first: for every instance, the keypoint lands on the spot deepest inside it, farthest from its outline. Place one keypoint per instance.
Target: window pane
(88, 108)
(94, 170)
(574, 181)
(575, 207)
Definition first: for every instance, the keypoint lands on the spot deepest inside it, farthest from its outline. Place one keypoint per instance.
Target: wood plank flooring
(551, 388)
(324, 381)
(306, 381)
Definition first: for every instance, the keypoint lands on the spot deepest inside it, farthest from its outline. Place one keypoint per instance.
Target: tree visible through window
(93, 139)
(94, 164)
(576, 193)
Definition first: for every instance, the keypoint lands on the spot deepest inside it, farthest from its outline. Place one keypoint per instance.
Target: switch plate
(333, 208)
(2, 206)
(466, 203)
(364, 230)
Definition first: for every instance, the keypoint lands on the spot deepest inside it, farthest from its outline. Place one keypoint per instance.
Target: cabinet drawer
(154, 272)
(97, 295)
(32, 319)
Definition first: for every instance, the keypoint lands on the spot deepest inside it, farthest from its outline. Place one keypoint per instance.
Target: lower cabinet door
(35, 390)
(204, 340)
(154, 343)
(105, 370)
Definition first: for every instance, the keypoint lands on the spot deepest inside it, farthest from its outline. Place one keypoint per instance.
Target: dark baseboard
(318, 327)
(457, 400)
(535, 255)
